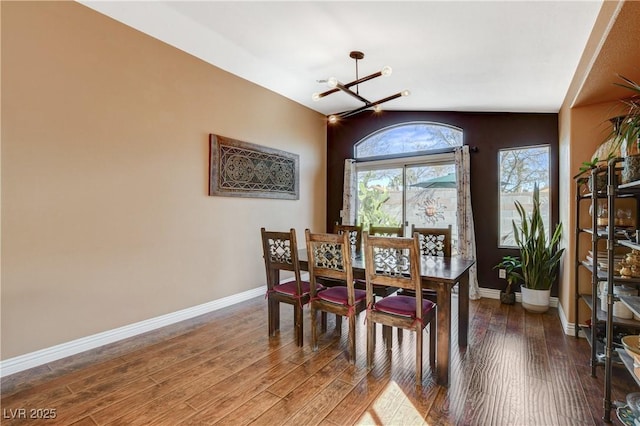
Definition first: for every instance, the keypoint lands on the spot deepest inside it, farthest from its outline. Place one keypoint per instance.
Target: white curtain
(349, 193)
(466, 231)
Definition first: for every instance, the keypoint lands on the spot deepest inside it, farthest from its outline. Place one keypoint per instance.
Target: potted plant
(584, 175)
(539, 256)
(626, 131)
(623, 141)
(511, 265)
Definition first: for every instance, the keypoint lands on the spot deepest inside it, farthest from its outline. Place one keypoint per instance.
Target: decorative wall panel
(243, 169)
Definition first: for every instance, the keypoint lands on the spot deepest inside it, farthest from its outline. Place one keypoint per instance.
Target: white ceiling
(517, 56)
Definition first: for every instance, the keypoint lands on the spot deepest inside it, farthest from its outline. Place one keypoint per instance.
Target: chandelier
(337, 86)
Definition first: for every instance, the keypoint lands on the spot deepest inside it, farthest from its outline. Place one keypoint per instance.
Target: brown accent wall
(489, 132)
(106, 219)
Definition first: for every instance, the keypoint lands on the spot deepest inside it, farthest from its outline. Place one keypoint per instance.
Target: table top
(444, 269)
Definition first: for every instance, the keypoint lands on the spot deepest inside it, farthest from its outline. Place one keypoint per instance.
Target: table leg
(463, 310)
(443, 324)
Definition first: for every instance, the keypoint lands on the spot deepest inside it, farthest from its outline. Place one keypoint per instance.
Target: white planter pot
(535, 300)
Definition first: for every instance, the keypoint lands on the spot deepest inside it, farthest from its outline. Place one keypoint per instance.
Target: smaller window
(520, 169)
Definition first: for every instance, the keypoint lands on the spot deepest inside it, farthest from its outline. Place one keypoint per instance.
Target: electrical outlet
(502, 273)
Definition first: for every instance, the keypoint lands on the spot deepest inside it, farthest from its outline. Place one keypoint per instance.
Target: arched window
(416, 138)
(405, 175)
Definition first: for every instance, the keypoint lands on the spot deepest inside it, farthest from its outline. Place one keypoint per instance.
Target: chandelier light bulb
(333, 119)
(315, 96)
(406, 93)
(377, 108)
(386, 71)
(332, 82)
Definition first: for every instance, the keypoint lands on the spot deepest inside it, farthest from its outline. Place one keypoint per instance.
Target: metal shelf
(619, 237)
(602, 317)
(615, 191)
(628, 363)
(635, 185)
(603, 233)
(603, 275)
(630, 244)
(599, 349)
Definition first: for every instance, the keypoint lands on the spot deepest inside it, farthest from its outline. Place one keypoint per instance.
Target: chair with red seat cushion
(433, 242)
(396, 262)
(330, 258)
(386, 231)
(281, 253)
(356, 238)
(355, 235)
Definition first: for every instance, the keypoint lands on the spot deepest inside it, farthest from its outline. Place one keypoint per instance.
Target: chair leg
(323, 321)
(273, 308)
(352, 338)
(298, 324)
(371, 335)
(419, 332)
(314, 329)
(339, 324)
(387, 336)
(432, 344)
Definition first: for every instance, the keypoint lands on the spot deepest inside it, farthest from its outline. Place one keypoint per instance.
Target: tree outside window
(520, 169)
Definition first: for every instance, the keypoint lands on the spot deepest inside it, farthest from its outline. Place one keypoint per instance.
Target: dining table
(440, 274)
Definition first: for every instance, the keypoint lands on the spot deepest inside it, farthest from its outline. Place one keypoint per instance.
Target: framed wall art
(243, 169)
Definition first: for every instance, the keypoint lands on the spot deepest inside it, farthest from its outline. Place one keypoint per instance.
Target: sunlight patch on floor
(391, 407)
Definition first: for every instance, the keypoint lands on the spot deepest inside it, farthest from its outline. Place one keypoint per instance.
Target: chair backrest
(393, 262)
(280, 252)
(386, 231)
(434, 241)
(355, 235)
(329, 257)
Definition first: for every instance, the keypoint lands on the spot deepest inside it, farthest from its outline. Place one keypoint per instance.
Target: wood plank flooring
(221, 368)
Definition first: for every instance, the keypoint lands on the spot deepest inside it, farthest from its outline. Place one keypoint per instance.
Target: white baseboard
(43, 356)
(568, 327)
(490, 293)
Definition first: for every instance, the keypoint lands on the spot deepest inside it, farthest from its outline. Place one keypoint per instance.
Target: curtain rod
(412, 154)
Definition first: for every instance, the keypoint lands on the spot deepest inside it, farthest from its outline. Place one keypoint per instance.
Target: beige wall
(583, 129)
(106, 219)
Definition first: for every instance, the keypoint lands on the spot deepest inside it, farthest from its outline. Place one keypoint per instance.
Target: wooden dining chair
(280, 252)
(386, 231)
(355, 235)
(433, 242)
(330, 258)
(396, 262)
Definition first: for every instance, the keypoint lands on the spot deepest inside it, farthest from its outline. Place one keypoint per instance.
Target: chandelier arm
(387, 99)
(368, 105)
(328, 92)
(349, 92)
(363, 79)
(346, 114)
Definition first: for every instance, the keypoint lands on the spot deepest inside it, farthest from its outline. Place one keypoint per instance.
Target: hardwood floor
(519, 369)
